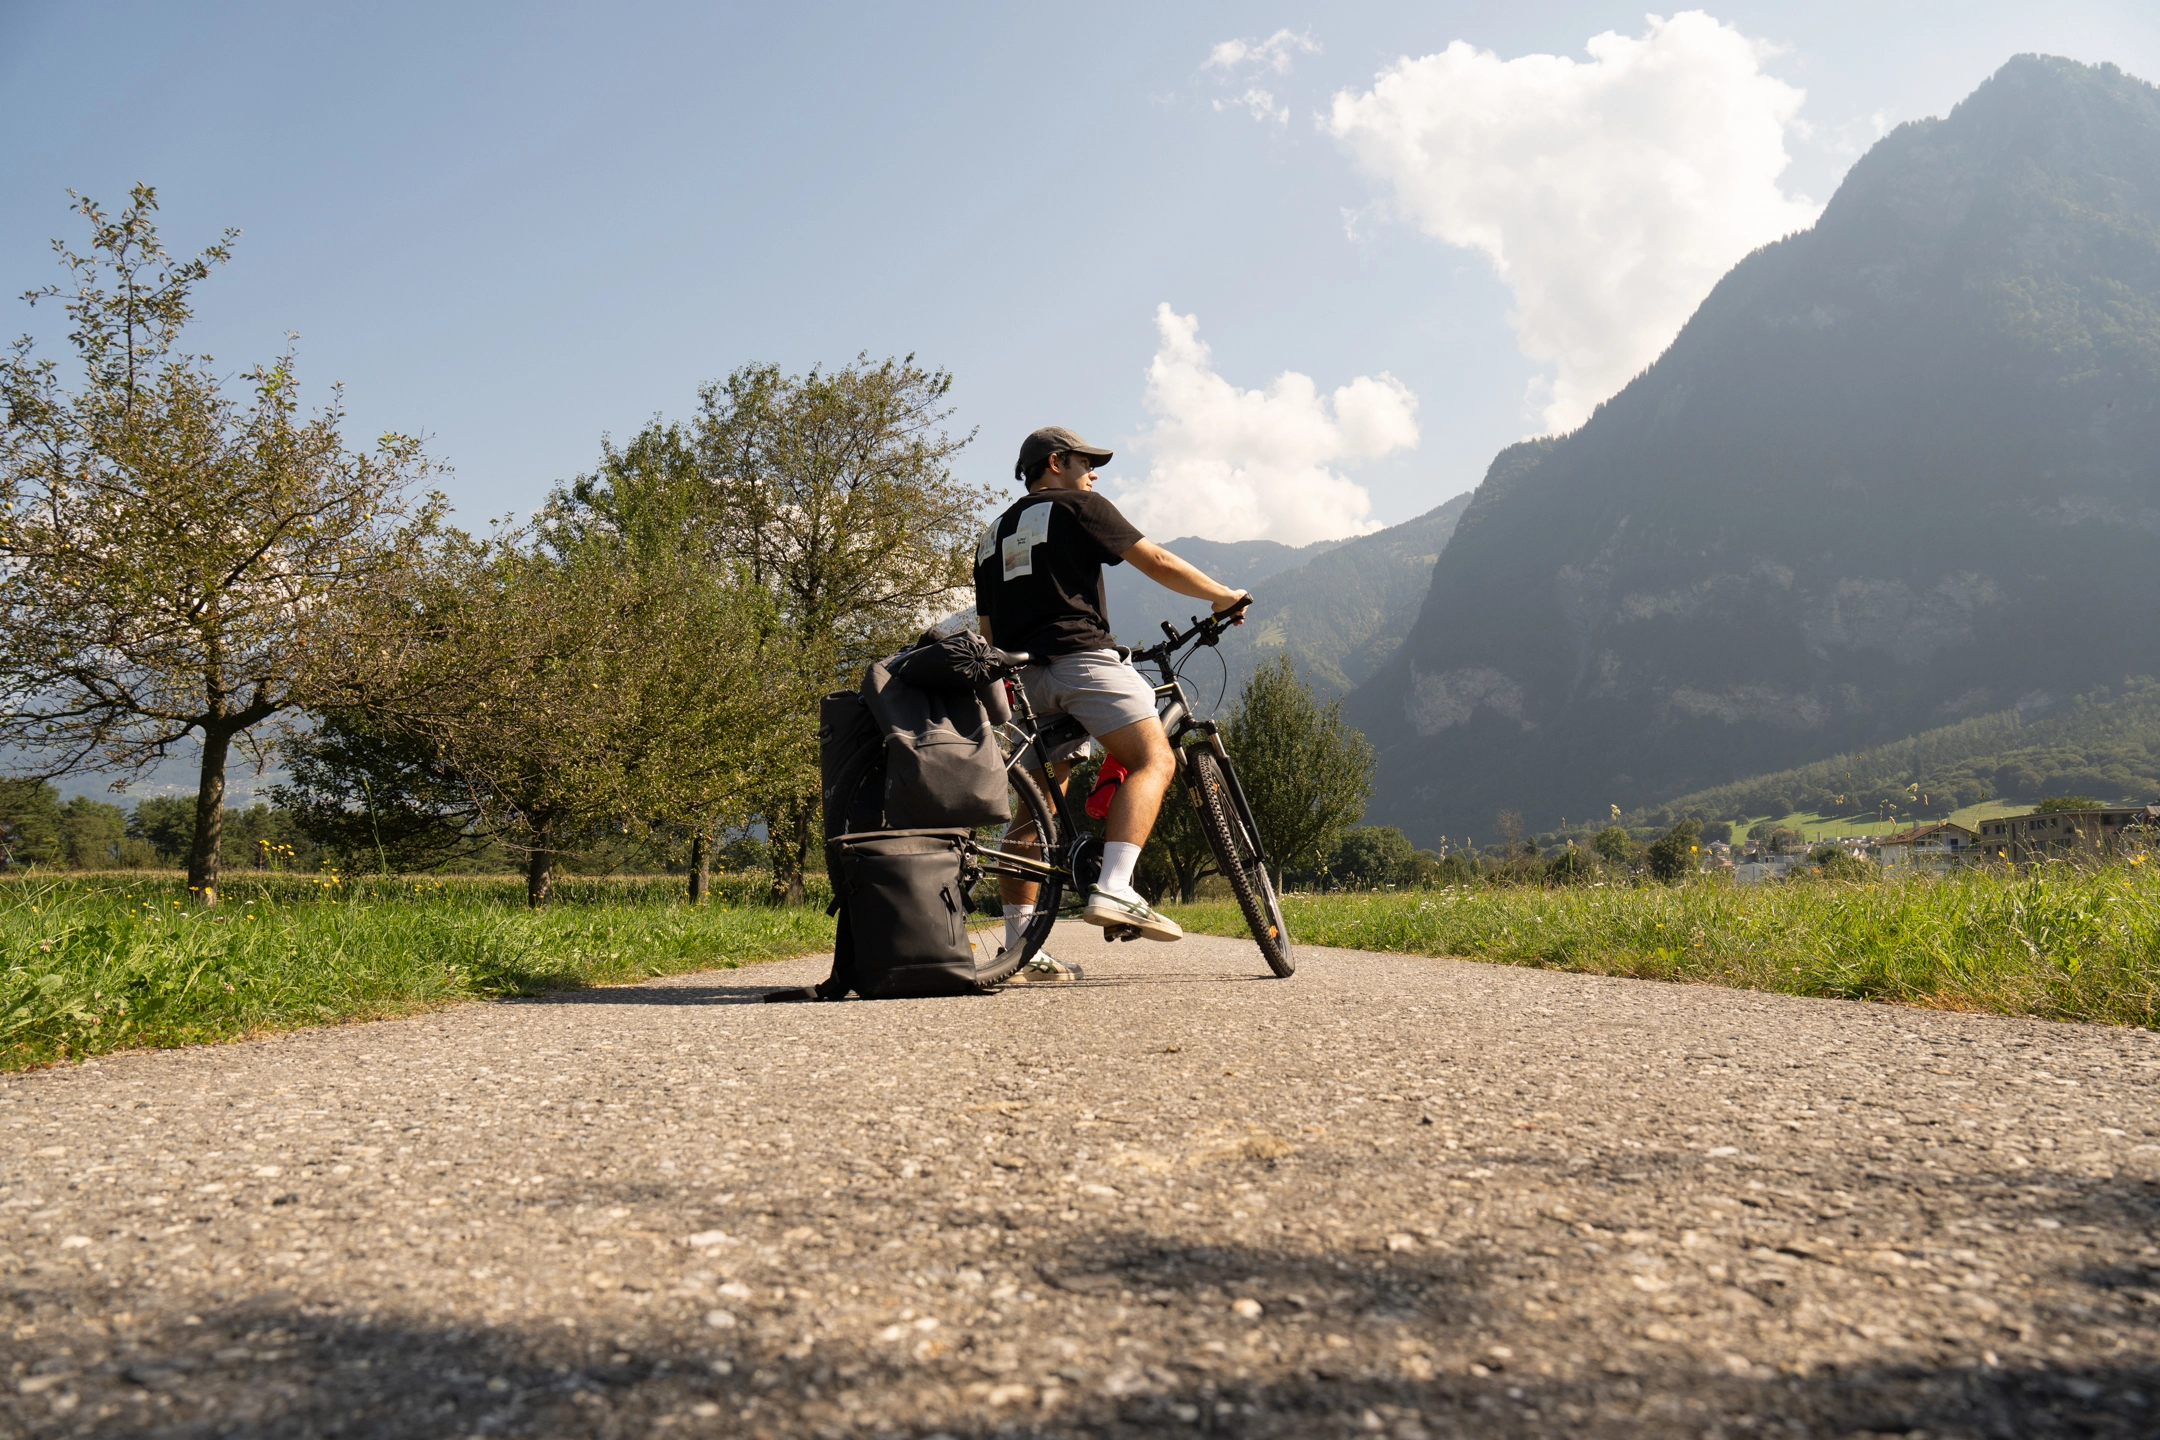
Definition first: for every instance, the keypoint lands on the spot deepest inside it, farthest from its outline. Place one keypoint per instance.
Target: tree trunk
(539, 867)
(209, 818)
(700, 867)
(787, 841)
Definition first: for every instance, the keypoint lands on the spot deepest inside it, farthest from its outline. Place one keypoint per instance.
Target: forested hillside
(2103, 744)
(1898, 471)
(1339, 609)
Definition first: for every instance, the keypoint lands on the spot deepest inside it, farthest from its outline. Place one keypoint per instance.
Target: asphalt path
(1389, 1196)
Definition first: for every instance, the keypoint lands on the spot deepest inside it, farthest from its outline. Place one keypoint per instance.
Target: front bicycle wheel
(1237, 853)
(1025, 853)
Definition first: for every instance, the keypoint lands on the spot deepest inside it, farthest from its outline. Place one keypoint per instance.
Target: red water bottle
(1107, 781)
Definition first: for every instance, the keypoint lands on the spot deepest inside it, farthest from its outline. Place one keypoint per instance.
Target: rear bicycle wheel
(1027, 847)
(1237, 852)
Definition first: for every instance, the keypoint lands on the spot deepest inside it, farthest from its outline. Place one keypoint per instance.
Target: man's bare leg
(1115, 903)
(1144, 750)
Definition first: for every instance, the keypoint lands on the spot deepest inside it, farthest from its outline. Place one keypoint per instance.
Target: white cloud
(1260, 103)
(1235, 464)
(1610, 195)
(1274, 53)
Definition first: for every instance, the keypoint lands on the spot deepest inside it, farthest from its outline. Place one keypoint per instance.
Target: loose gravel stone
(1390, 1196)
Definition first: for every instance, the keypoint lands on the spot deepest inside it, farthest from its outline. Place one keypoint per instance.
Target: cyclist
(1039, 588)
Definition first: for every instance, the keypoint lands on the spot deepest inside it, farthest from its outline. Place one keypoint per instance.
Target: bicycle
(1045, 846)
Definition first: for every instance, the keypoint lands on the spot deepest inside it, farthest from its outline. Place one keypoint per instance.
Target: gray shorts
(1095, 687)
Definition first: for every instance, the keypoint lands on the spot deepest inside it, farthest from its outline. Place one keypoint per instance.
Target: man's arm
(1168, 571)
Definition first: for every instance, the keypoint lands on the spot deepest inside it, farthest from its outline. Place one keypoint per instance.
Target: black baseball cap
(1054, 440)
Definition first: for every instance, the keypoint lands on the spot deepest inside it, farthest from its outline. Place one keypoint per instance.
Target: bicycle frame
(1184, 730)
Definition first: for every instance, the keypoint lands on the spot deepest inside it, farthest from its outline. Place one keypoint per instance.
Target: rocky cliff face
(1898, 469)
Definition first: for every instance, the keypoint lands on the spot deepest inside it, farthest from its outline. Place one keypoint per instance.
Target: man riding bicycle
(1039, 589)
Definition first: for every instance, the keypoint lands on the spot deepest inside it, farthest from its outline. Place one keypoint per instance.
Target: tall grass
(93, 965)
(2063, 942)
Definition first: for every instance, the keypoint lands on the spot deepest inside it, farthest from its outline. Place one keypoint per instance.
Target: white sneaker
(1044, 970)
(1109, 908)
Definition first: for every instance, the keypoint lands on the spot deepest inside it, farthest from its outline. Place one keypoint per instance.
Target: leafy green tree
(1834, 862)
(1613, 843)
(1369, 856)
(559, 691)
(1570, 865)
(1307, 773)
(378, 795)
(166, 824)
(2056, 804)
(834, 491)
(1671, 857)
(650, 502)
(94, 836)
(172, 558)
(29, 824)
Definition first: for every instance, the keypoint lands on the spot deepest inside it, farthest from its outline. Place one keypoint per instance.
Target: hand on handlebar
(1234, 611)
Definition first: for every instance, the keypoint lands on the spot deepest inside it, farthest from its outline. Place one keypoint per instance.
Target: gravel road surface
(1390, 1196)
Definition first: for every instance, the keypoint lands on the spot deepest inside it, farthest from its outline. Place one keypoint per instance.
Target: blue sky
(516, 228)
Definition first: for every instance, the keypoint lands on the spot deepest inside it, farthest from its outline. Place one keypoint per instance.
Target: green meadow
(2060, 942)
(100, 963)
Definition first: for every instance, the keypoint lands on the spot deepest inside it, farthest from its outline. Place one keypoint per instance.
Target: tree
(172, 559)
(361, 786)
(532, 696)
(650, 503)
(1569, 866)
(165, 823)
(1370, 856)
(94, 835)
(1613, 843)
(1834, 862)
(1671, 856)
(1307, 774)
(29, 824)
(835, 493)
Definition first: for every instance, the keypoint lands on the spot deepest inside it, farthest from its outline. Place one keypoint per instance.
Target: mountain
(1338, 607)
(2102, 744)
(1900, 469)
(1138, 606)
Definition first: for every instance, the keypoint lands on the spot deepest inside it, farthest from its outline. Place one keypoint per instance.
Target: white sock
(1016, 918)
(1118, 859)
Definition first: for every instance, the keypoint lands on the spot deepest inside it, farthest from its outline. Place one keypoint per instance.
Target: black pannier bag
(943, 764)
(850, 744)
(910, 759)
(902, 898)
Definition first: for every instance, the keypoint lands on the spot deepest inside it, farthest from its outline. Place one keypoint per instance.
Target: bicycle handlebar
(1203, 632)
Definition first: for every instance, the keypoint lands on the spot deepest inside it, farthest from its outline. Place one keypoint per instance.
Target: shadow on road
(660, 993)
(1350, 1344)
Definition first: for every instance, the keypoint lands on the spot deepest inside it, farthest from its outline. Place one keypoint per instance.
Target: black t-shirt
(1038, 571)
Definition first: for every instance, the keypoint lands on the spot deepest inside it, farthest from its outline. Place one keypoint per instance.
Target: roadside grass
(89, 966)
(2062, 942)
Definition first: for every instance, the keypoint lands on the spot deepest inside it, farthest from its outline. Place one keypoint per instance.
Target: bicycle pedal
(1121, 932)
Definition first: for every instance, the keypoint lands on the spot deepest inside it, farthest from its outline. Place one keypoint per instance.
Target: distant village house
(2061, 834)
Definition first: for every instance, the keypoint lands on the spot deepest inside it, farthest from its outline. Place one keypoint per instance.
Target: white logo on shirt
(1033, 529)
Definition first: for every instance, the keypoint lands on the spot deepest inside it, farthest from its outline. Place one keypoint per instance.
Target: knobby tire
(1239, 858)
